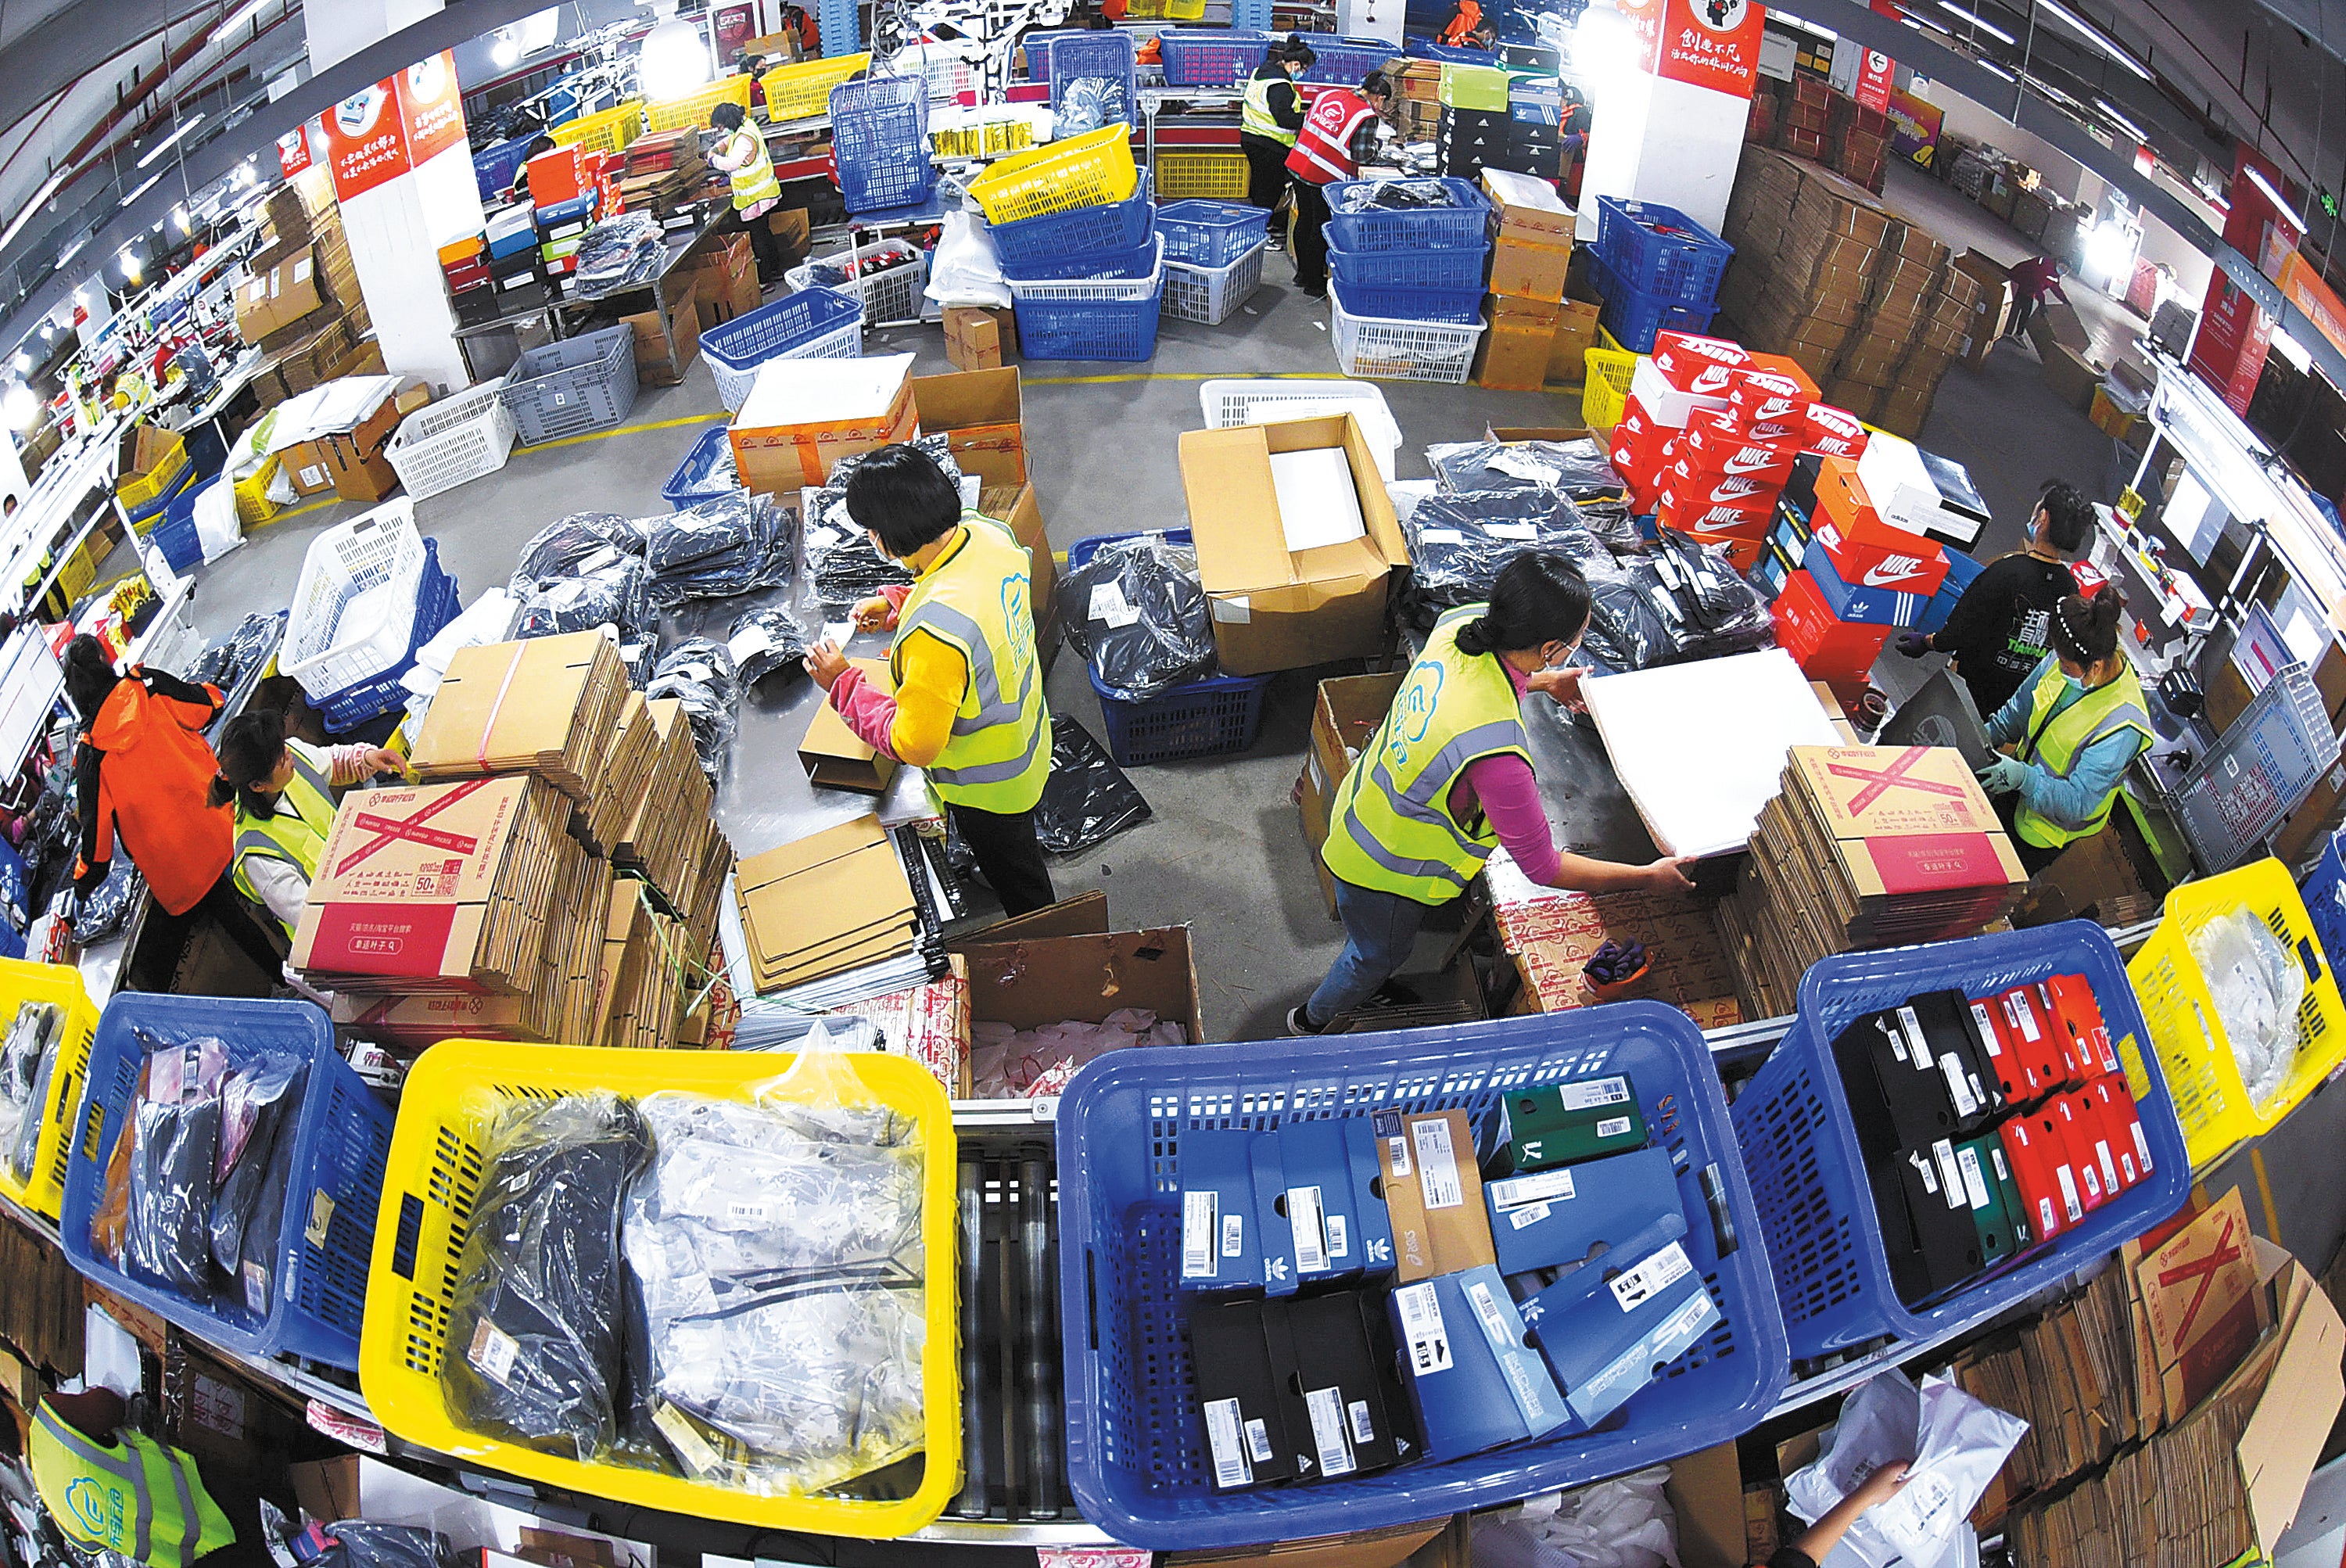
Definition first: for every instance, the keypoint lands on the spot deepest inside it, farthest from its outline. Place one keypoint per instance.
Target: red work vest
(1324, 147)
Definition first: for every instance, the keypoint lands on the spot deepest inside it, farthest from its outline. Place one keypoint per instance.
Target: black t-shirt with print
(2003, 626)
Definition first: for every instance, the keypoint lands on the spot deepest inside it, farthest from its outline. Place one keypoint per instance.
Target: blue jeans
(1380, 929)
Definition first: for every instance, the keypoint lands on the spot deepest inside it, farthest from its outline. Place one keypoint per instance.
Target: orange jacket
(1465, 17)
(154, 769)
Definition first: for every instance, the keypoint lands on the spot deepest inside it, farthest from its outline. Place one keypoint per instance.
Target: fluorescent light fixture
(1976, 20)
(2257, 177)
(1993, 69)
(1920, 23)
(152, 180)
(2133, 129)
(168, 142)
(20, 407)
(244, 14)
(72, 250)
(130, 266)
(24, 214)
(24, 363)
(2093, 34)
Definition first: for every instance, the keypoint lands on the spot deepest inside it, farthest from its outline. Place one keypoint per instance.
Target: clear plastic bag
(225, 662)
(1088, 103)
(1138, 614)
(1459, 541)
(562, 546)
(356, 1544)
(714, 549)
(107, 909)
(1626, 631)
(1577, 469)
(27, 1059)
(1397, 195)
(1703, 602)
(536, 1337)
(2257, 986)
(837, 566)
(764, 641)
(838, 270)
(1087, 800)
(964, 269)
(619, 252)
(1008, 1063)
(700, 673)
(256, 1108)
(608, 587)
(1952, 1444)
(174, 1125)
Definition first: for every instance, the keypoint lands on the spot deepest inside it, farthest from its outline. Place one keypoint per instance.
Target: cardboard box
(834, 755)
(652, 364)
(545, 705)
(982, 414)
(1312, 804)
(2073, 377)
(2201, 1298)
(781, 442)
(1527, 209)
(1347, 713)
(1575, 334)
(980, 337)
(1529, 269)
(1433, 1192)
(271, 302)
(1274, 609)
(1512, 356)
(349, 462)
(828, 903)
(1038, 979)
(359, 1486)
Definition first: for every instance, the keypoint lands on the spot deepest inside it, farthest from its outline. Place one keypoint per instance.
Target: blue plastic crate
(1444, 266)
(1418, 48)
(1393, 302)
(1134, 262)
(1210, 233)
(1342, 62)
(1038, 51)
(706, 471)
(436, 603)
(1210, 717)
(880, 141)
(1254, 15)
(1412, 229)
(493, 167)
(176, 535)
(1808, 1173)
(1111, 227)
(1137, 1461)
(1633, 318)
(1660, 251)
(795, 326)
(1211, 57)
(340, 1138)
(1107, 56)
(1122, 329)
(842, 24)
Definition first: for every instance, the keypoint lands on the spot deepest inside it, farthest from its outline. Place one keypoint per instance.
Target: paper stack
(546, 706)
(640, 990)
(663, 836)
(826, 905)
(1866, 846)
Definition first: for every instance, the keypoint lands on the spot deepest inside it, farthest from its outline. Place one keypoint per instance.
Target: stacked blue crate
(1656, 268)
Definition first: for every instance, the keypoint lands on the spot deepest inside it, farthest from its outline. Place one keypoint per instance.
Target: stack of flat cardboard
(826, 905)
(640, 990)
(545, 706)
(662, 170)
(662, 834)
(1866, 846)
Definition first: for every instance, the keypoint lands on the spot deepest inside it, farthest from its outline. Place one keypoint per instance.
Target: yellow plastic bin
(1089, 171)
(433, 1178)
(802, 91)
(1605, 394)
(252, 503)
(59, 984)
(692, 109)
(1213, 173)
(2201, 1073)
(609, 131)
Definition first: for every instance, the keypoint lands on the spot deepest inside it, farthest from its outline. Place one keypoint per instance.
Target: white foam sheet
(1700, 747)
(796, 392)
(1318, 505)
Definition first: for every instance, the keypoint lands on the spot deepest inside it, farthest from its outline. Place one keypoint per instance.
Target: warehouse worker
(749, 168)
(2034, 281)
(1458, 30)
(968, 705)
(2001, 627)
(1448, 780)
(1338, 136)
(112, 1487)
(1817, 1542)
(1270, 115)
(283, 791)
(2069, 734)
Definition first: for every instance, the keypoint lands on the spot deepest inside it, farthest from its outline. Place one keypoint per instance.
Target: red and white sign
(379, 133)
(431, 111)
(735, 25)
(293, 151)
(1711, 43)
(1875, 73)
(2234, 336)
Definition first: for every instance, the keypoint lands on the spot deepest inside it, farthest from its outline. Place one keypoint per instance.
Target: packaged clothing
(106, 909)
(27, 1058)
(764, 641)
(1709, 607)
(562, 546)
(1397, 195)
(2257, 986)
(229, 660)
(1952, 1445)
(714, 549)
(1138, 614)
(1088, 103)
(1626, 631)
(837, 271)
(1087, 800)
(1458, 542)
(254, 1124)
(534, 1325)
(356, 1544)
(700, 673)
(174, 1126)
(1578, 469)
(608, 587)
(621, 252)
(836, 565)
(1008, 1063)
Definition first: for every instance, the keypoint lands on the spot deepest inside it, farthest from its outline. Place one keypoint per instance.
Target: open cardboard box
(1274, 608)
(1063, 963)
(1016, 507)
(834, 755)
(982, 417)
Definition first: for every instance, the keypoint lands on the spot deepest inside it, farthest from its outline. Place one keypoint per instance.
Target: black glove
(1913, 644)
(90, 879)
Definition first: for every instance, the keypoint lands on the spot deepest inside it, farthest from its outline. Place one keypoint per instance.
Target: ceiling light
(72, 250)
(1976, 20)
(20, 407)
(179, 217)
(161, 148)
(506, 50)
(674, 61)
(130, 264)
(2257, 177)
(1920, 23)
(2094, 35)
(2110, 110)
(25, 215)
(24, 363)
(244, 14)
(1994, 69)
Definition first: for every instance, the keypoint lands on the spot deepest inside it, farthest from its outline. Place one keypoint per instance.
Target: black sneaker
(1298, 1023)
(1318, 295)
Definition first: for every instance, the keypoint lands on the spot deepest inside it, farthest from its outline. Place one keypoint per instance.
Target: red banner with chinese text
(293, 151)
(432, 114)
(366, 144)
(1712, 43)
(2234, 336)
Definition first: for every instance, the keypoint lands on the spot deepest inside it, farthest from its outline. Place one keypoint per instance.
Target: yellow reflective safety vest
(1255, 118)
(296, 833)
(133, 1495)
(1390, 826)
(2054, 744)
(974, 599)
(754, 181)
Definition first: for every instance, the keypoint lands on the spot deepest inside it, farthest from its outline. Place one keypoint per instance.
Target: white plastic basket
(948, 74)
(890, 296)
(443, 444)
(1212, 295)
(1398, 350)
(1226, 404)
(354, 606)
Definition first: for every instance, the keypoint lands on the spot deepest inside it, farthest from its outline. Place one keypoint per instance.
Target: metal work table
(569, 309)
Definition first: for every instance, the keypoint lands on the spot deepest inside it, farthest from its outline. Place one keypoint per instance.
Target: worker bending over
(283, 791)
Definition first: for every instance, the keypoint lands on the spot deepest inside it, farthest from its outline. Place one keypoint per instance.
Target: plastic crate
(1385, 349)
(802, 91)
(1206, 172)
(147, 518)
(1808, 1175)
(1107, 55)
(174, 536)
(1394, 303)
(1212, 295)
(841, 23)
(945, 71)
(1211, 57)
(1211, 233)
(1108, 228)
(692, 109)
(1089, 171)
(140, 492)
(811, 324)
(339, 1136)
(573, 386)
(453, 442)
(706, 471)
(252, 503)
(1137, 1458)
(1080, 266)
(1604, 388)
(880, 142)
(493, 167)
(436, 1163)
(1038, 47)
(1090, 319)
(1342, 62)
(1660, 250)
(608, 131)
(436, 603)
(1210, 717)
(1633, 318)
(894, 295)
(1418, 48)
(1444, 266)
(1416, 228)
(360, 584)
(61, 986)
(1227, 402)
(2188, 1033)
(2238, 793)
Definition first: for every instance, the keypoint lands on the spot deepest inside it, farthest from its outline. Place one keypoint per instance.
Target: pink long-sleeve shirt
(1508, 794)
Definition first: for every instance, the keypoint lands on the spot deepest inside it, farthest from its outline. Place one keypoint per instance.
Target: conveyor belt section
(1013, 1455)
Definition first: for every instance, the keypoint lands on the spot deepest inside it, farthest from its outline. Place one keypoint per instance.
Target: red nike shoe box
(2039, 1162)
(2037, 1039)
(1706, 367)
(1772, 391)
(1835, 432)
(2070, 1000)
(1864, 548)
(1826, 648)
(2095, 1167)
(1689, 489)
(1711, 443)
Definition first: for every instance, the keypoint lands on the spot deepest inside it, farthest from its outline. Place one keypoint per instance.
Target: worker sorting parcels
(1269, 115)
(110, 1487)
(1341, 133)
(969, 704)
(2069, 734)
(284, 794)
(1448, 779)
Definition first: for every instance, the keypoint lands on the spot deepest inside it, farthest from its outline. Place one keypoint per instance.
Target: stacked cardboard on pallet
(663, 836)
(1530, 251)
(1859, 140)
(1804, 119)
(302, 296)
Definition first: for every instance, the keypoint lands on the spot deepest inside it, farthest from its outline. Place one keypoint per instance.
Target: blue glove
(2004, 776)
(1913, 644)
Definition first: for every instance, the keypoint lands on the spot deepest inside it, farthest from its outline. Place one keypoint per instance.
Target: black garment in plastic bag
(562, 546)
(227, 661)
(1578, 469)
(1398, 196)
(357, 1544)
(167, 1242)
(535, 1335)
(107, 909)
(837, 271)
(1625, 632)
(1136, 613)
(839, 563)
(1703, 601)
(257, 1258)
(714, 549)
(700, 673)
(1459, 543)
(1611, 522)
(621, 252)
(608, 587)
(1087, 800)
(27, 1058)
(764, 641)
(255, 1114)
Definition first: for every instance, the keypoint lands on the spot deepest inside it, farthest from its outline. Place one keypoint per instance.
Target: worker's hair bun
(2086, 626)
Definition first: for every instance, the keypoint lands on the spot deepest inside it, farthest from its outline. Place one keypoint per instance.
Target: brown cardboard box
(545, 705)
(652, 365)
(1388, 1548)
(2057, 320)
(982, 415)
(1575, 334)
(1520, 314)
(1274, 609)
(777, 460)
(272, 300)
(365, 359)
(980, 337)
(349, 462)
(1435, 1194)
(1991, 313)
(790, 226)
(2200, 1297)
(2071, 376)
(1312, 805)
(1026, 982)
(1528, 210)
(1345, 717)
(1529, 270)
(827, 902)
(1513, 354)
(1706, 1492)
(834, 755)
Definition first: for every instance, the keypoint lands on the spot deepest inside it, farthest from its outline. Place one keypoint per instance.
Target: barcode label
(1198, 1208)
(1339, 1236)
(2023, 1016)
(1987, 1033)
(1650, 1277)
(1259, 1440)
(1530, 1213)
(2046, 1224)
(1421, 1327)
(1397, 1155)
(1917, 1045)
(1614, 1127)
(1542, 1187)
(1959, 1088)
(2141, 1146)
(1595, 1095)
(1364, 1427)
(493, 1350)
(2092, 1179)
(2109, 1165)
(1950, 1177)
(1233, 1236)
(1330, 1437)
(2003, 1171)
(1974, 1183)
(1438, 1166)
(1897, 1037)
(1927, 1171)
(2125, 1164)
(1230, 1466)
(1304, 1224)
(2069, 1194)
(1487, 1307)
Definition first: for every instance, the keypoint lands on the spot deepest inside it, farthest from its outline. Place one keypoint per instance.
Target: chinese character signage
(1875, 71)
(379, 133)
(293, 151)
(431, 112)
(2229, 350)
(1711, 43)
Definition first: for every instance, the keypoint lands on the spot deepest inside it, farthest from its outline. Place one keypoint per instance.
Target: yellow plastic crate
(692, 109)
(2201, 1074)
(252, 503)
(1088, 170)
(21, 982)
(1605, 392)
(1213, 172)
(803, 91)
(609, 131)
(1167, 10)
(432, 1178)
(141, 489)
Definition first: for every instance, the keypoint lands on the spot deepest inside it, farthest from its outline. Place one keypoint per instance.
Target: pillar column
(1672, 89)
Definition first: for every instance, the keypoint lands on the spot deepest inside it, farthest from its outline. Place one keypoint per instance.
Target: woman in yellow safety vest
(1269, 115)
(112, 1487)
(749, 169)
(1448, 779)
(284, 795)
(2069, 733)
(968, 705)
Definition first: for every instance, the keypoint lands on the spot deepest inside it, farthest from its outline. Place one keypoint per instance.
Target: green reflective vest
(1254, 112)
(2054, 744)
(754, 181)
(1389, 827)
(133, 1495)
(296, 833)
(974, 600)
